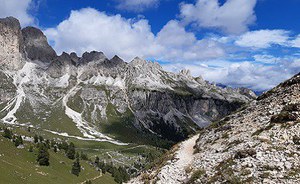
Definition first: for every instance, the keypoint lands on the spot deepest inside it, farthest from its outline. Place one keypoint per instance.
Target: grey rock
(36, 45)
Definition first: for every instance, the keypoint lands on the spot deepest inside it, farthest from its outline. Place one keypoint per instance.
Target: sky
(239, 43)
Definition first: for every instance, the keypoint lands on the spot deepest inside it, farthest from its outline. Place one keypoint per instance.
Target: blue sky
(249, 43)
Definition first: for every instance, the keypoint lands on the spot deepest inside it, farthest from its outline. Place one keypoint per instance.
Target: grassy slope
(19, 166)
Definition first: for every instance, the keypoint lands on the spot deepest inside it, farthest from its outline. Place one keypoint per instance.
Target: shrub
(244, 153)
(43, 156)
(7, 133)
(296, 140)
(195, 176)
(283, 117)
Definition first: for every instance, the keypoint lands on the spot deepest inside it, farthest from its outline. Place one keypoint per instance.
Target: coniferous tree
(47, 143)
(36, 138)
(18, 141)
(7, 133)
(41, 138)
(83, 156)
(53, 143)
(30, 148)
(43, 155)
(55, 149)
(76, 168)
(97, 160)
(71, 151)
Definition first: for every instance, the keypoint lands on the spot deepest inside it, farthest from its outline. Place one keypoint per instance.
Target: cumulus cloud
(233, 17)
(88, 29)
(296, 42)
(18, 9)
(263, 38)
(256, 76)
(266, 58)
(136, 5)
(178, 44)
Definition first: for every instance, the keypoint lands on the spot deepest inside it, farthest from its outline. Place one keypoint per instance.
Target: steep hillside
(95, 98)
(257, 144)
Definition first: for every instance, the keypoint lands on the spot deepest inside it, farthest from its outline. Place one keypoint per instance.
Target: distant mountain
(257, 144)
(93, 97)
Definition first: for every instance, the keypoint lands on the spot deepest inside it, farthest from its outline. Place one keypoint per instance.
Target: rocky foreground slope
(95, 98)
(258, 144)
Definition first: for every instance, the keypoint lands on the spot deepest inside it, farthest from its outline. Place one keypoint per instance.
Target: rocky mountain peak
(11, 44)
(10, 23)
(137, 61)
(116, 59)
(92, 56)
(36, 45)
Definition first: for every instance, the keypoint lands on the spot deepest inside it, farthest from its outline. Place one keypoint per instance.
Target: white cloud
(180, 45)
(263, 38)
(89, 29)
(296, 42)
(136, 5)
(233, 17)
(258, 77)
(266, 58)
(18, 9)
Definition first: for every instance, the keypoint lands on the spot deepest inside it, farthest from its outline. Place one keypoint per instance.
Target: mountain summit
(96, 98)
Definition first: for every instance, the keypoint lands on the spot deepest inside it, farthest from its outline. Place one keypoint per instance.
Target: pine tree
(43, 155)
(18, 141)
(30, 148)
(41, 138)
(47, 144)
(55, 149)
(36, 138)
(71, 151)
(7, 133)
(53, 143)
(97, 160)
(83, 156)
(76, 168)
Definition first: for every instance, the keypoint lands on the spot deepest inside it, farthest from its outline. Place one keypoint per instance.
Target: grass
(121, 127)
(19, 166)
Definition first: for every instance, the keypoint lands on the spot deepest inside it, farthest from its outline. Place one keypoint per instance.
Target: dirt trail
(174, 172)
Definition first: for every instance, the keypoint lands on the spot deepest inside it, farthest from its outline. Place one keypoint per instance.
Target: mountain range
(259, 143)
(92, 97)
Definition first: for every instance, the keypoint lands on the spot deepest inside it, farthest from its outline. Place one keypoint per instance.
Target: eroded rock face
(257, 144)
(36, 45)
(11, 44)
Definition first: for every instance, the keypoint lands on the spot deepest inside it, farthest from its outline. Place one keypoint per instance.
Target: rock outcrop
(11, 44)
(257, 144)
(36, 45)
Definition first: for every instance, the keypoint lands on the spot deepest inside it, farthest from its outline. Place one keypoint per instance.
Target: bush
(291, 107)
(18, 141)
(296, 140)
(195, 176)
(76, 168)
(284, 117)
(244, 153)
(43, 155)
(7, 133)
(71, 151)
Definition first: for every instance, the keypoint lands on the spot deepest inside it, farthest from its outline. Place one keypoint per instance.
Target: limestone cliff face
(11, 44)
(93, 93)
(257, 144)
